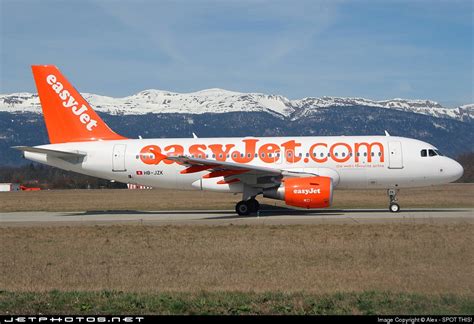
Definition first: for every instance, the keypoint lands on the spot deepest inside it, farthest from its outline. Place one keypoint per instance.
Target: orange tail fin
(68, 116)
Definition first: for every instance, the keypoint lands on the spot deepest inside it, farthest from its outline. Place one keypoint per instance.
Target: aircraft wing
(252, 175)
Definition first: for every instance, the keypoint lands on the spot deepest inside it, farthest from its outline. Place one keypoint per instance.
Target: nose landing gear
(246, 207)
(394, 207)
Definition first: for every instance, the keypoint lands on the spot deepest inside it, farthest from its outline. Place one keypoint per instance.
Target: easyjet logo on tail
(71, 103)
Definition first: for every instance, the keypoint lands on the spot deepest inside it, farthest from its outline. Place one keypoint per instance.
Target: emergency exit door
(118, 158)
(395, 155)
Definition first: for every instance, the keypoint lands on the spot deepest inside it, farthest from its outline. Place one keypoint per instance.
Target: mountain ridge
(217, 100)
(216, 113)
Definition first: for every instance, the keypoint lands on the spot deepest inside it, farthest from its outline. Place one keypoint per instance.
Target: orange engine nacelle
(311, 192)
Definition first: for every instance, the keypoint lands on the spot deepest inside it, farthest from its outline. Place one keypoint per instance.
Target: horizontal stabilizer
(54, 153)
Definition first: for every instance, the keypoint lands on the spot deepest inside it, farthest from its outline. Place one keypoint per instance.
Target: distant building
(10, 187)
(136, 186)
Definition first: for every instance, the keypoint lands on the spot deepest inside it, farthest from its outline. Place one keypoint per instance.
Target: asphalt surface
(227, 217)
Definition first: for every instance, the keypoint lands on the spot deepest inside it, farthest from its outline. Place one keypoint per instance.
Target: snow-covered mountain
(224, 101)
(216, 112)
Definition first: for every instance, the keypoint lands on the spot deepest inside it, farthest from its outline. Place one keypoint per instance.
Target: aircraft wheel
(394, 208)
(254, 205)
(243, 208)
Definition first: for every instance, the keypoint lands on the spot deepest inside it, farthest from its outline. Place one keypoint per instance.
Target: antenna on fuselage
(386, 133)
(194, 135)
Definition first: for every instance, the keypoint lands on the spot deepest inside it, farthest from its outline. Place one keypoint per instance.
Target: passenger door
(395, 155)
(118, 158)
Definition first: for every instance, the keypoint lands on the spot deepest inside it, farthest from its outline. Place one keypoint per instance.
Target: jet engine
(309, 192)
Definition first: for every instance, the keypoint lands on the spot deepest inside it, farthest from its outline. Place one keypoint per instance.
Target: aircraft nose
(455, 170)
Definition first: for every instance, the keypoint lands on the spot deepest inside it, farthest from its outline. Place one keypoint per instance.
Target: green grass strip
(115, 302)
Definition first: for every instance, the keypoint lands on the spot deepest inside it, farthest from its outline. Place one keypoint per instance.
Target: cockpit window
(430, 152)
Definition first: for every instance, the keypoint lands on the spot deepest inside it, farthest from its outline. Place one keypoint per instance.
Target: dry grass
(452, 195)
(321, 259)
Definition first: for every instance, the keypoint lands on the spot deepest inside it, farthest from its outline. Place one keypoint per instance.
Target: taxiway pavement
(227, 217)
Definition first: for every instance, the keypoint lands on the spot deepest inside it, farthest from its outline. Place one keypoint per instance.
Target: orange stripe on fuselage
(228, 181)
(224, 173)
(196, 168)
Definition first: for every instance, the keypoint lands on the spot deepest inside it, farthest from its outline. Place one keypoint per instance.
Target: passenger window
(423, 153)
(431, 153)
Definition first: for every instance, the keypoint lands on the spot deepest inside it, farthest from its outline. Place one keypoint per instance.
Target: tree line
(467, 162)
(46, 177)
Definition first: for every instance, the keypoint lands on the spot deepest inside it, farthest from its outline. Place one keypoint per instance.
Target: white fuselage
(351, 161)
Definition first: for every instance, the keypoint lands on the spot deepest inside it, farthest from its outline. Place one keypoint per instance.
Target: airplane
(301, 171)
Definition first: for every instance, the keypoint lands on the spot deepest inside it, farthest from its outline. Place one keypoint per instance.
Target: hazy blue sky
(373, 49)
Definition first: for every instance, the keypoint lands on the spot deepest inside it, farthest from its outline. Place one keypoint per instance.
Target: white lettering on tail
(69, 102)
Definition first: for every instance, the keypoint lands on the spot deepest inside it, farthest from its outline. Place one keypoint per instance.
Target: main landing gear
(246, 207)
(392, 195)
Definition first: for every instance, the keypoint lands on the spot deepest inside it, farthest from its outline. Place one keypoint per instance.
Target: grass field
(448, 196)
(232, 303)
(419, 268)
(396, 268)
